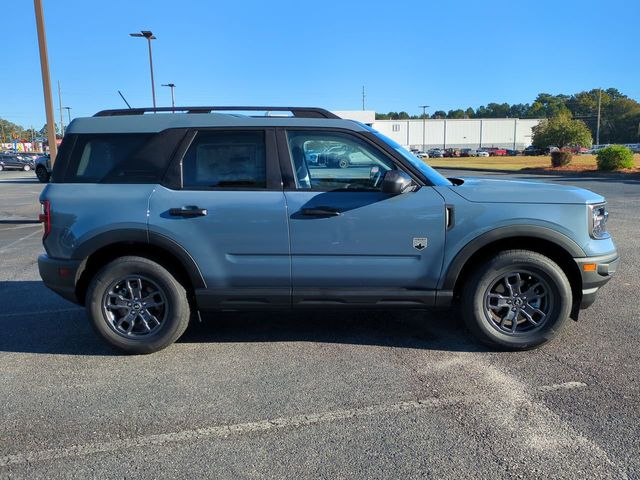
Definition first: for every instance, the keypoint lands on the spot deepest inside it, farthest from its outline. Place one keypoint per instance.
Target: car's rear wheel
(27, 168)
(343, 163)
(517, 300)
(1, 168)
(42, 174)
(137, 306)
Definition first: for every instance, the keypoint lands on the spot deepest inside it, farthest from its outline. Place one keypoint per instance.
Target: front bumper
(595, 271)
(60, 275)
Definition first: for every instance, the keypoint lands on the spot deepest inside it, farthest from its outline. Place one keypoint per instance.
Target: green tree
(561, 131)
(439, 114)
(459, 113)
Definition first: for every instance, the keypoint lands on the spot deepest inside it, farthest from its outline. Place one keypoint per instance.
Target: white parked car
(420, 154)
(482, 153)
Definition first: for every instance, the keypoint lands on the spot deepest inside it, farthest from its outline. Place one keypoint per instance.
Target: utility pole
(598, 124)
(363, 97)
(46, 80)
(424, 124)
(149, 36)
(60, 105)
(173, 98)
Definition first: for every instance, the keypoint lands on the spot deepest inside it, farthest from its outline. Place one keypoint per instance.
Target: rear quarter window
(116, 158)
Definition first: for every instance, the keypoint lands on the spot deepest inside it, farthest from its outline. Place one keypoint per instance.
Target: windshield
(433, 176)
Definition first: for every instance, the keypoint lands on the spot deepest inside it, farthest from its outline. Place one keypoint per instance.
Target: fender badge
(419, 243)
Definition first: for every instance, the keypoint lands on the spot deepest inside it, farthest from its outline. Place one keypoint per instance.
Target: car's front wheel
(137, 306)
(42, 174)
(517, 300)
(27, 168)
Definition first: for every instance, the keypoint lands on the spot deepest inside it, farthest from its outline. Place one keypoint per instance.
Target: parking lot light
(172, 86)
(149, 36)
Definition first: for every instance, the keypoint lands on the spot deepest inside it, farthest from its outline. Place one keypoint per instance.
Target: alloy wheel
(135, 306)
(518, 302)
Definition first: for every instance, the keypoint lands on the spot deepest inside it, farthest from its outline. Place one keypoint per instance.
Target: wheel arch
(559, 248)
(158, 248)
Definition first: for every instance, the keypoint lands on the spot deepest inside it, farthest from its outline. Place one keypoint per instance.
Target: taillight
(45, 217)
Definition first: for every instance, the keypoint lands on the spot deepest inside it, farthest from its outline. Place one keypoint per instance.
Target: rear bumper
(599, 271)
(60, 276)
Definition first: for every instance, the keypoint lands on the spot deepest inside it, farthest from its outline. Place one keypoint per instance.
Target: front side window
(330, 161)
(224, 159)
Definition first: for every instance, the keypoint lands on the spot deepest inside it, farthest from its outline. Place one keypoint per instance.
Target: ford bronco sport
(152, 217)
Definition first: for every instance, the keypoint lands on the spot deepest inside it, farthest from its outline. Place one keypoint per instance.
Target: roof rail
(300, 112)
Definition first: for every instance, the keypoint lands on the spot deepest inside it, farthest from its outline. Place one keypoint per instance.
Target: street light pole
(60, 105)
(46, 80)
(173, 98)
(424, 123)
(149, 36)
(68, 109)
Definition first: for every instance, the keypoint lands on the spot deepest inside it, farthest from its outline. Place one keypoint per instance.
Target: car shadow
(35, 320)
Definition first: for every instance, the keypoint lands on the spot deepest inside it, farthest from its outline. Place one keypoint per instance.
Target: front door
(350, 242)
(230, 216)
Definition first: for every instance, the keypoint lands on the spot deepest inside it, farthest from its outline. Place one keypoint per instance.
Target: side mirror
(396, 181)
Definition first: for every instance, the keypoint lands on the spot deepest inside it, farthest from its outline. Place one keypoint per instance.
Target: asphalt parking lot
(382, 395)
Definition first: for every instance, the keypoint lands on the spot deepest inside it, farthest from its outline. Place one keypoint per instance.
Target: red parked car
(496, 152)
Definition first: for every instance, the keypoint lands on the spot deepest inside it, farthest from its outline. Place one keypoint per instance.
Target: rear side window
(110, 158)
(225, 159)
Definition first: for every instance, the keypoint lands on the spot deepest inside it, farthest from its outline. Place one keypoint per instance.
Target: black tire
(176, 317)
(482, 317)
(42, 174)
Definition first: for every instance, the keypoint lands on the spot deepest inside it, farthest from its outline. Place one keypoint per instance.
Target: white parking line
(19, 240)
(562, 386)
(223, 431)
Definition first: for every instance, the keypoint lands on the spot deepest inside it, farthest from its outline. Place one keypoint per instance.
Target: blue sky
(447, 54)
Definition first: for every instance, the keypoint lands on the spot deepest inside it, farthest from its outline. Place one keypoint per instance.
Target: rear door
(351, 243)
(228, 212)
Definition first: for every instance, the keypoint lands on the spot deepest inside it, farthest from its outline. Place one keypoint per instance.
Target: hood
(482, 190)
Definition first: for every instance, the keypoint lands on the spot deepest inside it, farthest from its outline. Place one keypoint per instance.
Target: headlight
(598, 216)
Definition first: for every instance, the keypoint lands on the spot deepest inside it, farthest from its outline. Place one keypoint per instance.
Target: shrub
(560, 158)
(614, 157)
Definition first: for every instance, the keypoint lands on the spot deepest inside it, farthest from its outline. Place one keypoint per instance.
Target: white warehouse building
(452, 133)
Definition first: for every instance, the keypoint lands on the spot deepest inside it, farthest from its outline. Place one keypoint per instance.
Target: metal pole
(424, 124)
(46, 81)
(153, 87)
(68, 109)
(173, 100)
(515, 131)
(444, 140)
(598, 124)
(60, 105)
(363, 95)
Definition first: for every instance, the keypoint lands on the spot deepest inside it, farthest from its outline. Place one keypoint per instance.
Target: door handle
(188, 211)
(320, 212)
